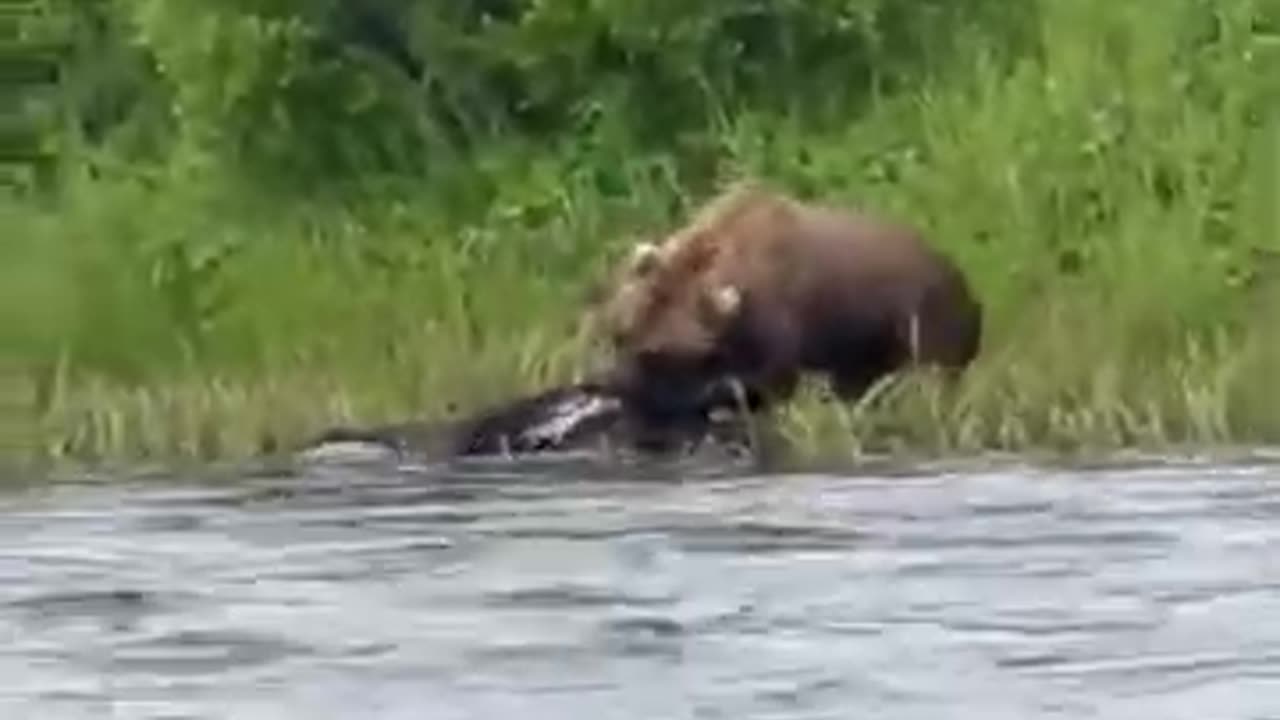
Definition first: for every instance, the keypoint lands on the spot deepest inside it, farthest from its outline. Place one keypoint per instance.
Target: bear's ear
(725, 301)
(645, 258)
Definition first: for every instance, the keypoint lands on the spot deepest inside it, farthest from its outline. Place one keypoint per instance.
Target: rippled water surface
(564, 591)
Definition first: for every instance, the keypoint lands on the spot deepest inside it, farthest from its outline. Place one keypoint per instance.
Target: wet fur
(540, 423)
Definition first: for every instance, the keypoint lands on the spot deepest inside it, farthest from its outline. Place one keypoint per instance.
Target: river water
(569, 590)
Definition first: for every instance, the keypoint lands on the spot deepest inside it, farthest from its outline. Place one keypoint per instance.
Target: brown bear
(760, 287)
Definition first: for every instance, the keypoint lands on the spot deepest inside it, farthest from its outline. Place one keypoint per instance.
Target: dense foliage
(396, 194)
(327, 90)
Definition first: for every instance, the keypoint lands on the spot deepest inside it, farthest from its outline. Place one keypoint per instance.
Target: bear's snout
(660, 364)
(665, 384)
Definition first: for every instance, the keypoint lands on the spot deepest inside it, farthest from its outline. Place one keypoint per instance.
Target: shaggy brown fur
(760, 287)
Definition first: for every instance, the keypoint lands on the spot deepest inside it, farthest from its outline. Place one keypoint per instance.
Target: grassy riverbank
(1108, 174)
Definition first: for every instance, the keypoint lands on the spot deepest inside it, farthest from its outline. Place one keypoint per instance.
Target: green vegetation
(234, 222)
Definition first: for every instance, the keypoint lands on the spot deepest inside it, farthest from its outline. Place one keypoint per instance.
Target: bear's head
(666, 323)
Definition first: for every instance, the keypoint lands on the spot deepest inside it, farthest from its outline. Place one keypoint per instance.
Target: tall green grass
(1111, 189)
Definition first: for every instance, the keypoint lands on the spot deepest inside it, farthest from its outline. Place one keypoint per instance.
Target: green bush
(296, 211)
